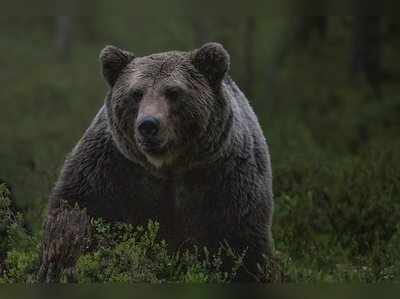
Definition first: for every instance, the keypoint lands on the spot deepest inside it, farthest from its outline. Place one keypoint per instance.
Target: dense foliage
(126, 254)
(18, 250)
(334, 143)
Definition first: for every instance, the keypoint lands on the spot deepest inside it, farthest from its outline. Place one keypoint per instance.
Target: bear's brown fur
(176, 142)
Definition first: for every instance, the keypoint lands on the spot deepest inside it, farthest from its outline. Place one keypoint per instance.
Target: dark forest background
(326, 91)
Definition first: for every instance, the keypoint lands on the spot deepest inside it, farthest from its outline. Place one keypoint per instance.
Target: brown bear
(177, 142)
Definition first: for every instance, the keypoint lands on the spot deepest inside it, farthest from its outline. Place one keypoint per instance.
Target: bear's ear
(113, 60)
(213, 61)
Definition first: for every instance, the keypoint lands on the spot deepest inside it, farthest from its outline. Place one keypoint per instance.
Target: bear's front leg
(66, 235)
(246, 218)
(251, 243)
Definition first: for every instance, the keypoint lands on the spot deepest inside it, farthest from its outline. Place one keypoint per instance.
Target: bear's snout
(151, 134)
(152, 124)
(148, 127)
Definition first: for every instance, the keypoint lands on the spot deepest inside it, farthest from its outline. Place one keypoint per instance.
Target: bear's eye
(173, 92)
(136, 94)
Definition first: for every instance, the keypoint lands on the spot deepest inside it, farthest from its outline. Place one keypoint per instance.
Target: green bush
(126, 254)
(7, 217)
(18, 250)
(340, 213)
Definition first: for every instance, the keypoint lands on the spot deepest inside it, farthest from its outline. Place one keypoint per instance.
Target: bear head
(166, 109)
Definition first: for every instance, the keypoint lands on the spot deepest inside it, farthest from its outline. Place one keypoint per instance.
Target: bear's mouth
(152, 147)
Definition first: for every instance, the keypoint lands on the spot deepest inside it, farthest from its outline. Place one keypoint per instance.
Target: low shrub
(123, 253)
(19, 256)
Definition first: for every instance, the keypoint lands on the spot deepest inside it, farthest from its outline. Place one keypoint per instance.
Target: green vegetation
(125, 254)
(334, 143)
(18, 250)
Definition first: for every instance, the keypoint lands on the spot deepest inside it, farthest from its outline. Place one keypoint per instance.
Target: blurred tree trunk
(249, 41)
(309, 25)
(201, 30)
(298, 32)
(367, 50)
(88, 29)
(63, 37)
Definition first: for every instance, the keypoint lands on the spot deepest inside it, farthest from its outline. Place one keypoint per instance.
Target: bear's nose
(149, 126)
